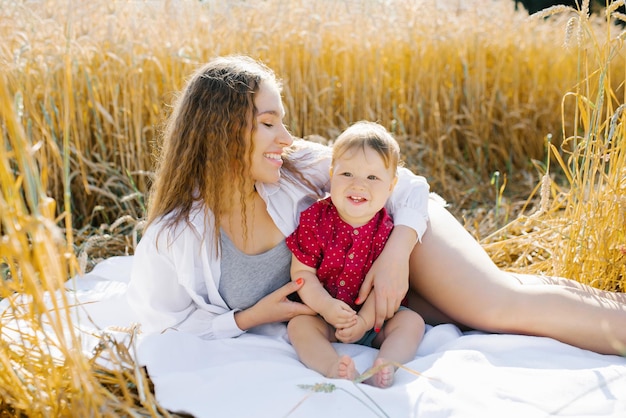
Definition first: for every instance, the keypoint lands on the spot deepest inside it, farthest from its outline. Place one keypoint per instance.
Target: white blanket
(453, 375)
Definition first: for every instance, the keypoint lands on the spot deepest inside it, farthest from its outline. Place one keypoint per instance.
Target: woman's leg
(452, 272)
(530, 279)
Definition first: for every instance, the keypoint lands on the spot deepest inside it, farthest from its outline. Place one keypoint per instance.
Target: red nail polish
(299, 280)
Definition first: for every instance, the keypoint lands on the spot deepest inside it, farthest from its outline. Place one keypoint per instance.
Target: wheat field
(517, 121)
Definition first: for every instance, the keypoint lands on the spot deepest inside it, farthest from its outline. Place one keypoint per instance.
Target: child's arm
(365, 322)
(335, 312)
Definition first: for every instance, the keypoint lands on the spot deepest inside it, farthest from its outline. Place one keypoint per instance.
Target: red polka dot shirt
(341, 253)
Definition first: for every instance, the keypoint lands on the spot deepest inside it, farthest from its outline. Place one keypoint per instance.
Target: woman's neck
(249, 226)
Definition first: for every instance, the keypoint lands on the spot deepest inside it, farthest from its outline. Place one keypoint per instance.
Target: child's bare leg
(311, 337)
(398, 342)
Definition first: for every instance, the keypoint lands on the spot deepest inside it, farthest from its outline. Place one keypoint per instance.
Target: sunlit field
(517, 121)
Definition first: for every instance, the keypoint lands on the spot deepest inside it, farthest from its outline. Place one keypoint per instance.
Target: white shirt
(175, 275)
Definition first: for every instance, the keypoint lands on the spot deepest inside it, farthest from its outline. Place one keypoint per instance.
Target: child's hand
(339, 314)
(353, 333)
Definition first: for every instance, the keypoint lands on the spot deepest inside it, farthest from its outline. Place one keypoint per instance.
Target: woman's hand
(274, 307)
(389, 275)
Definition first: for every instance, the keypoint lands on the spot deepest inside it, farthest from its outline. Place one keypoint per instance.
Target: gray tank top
(245, 279)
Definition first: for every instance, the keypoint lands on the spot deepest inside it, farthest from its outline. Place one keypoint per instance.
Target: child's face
(360, 185)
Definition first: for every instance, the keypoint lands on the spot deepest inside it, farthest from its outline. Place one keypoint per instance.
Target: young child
(334, 246)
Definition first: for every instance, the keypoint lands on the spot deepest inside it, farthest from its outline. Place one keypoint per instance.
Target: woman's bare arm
(389, 275)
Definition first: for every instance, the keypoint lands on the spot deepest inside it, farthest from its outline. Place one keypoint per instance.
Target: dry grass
(470, 89)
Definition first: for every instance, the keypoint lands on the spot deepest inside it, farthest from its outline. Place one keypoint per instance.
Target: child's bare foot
(343, 368)
(384, 376)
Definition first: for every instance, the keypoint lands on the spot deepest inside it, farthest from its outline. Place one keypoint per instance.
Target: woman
(229, 187)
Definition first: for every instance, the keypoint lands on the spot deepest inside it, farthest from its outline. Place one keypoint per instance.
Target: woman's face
(360, 185)
(270, 137)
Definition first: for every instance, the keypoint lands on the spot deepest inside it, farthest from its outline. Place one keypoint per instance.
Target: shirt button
(355, 232)
(342, 283)
(350, 256)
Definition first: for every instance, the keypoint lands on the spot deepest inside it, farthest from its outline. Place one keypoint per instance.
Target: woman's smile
(274, 158)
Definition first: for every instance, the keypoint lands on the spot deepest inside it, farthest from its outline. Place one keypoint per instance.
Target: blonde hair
(364, 134)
